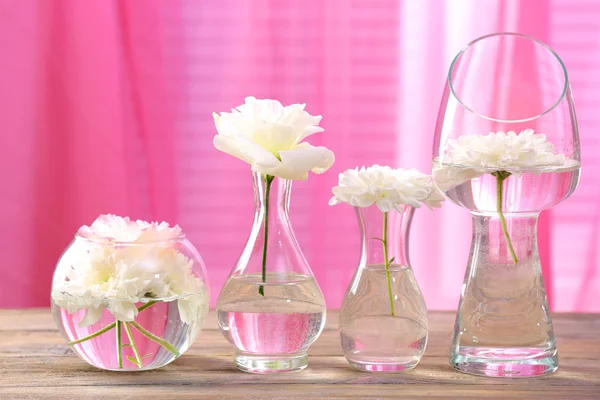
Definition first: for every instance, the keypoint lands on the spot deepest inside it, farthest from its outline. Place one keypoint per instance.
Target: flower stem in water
(387, 262)
(269, 181)
(500, 177)
(108, 327)
(154, 338)
(136, 353)
(119, 345)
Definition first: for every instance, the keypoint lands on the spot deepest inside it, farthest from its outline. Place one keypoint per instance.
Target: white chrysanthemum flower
(269, 137)
(116, 276)
(123, 229)
(503, 151)
(470, 156)
(501, 155)
(387, 188)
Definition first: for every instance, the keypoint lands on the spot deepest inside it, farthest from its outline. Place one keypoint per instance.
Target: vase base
(510, 362)
(266, 364)
(382, 367)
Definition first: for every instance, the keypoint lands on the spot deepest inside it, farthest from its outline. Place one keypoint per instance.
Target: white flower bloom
(119, 229)
(268, 136)
(503, 151)
(447, 177)
(470, 156)
(387, 188)
(115, 276)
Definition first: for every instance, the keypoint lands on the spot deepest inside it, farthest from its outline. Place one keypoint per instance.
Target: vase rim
(406, 208)
(104, 299)
(110, 241)
(528, 37)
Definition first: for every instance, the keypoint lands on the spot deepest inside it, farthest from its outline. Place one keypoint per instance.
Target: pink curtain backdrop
(106, 107)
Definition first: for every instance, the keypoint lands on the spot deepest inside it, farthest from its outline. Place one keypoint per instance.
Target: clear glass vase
(271, 308)
(501, 83)
(137, 332)
(383, 320)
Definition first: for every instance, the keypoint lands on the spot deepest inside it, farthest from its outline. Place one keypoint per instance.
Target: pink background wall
(105, 106)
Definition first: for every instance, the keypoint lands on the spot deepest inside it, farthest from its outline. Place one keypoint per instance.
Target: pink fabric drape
(106, 107)
(86, 129)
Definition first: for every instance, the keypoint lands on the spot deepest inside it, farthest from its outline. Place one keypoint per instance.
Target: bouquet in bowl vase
(129, 295)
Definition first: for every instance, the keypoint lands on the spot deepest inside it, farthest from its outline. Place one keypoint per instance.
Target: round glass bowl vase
(506, 148)
(383, 319)
(129, 306)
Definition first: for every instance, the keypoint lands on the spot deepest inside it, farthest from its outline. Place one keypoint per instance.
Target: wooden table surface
(35, 363)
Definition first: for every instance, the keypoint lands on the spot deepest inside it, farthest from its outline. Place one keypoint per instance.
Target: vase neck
(383, 232)
(272, 193)
(503, 302)
(272, 242)
(491, 241)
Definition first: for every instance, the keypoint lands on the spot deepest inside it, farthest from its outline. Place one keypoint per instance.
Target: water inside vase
(286, 320)
(533, 191)
(162, 320)
(370, 334)
(503, 326)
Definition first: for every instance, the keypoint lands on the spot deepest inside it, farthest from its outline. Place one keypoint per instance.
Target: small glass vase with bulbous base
(383, 319)
(271, 308)
(515, 87)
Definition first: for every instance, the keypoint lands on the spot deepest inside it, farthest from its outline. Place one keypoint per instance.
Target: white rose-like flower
(470, 156)
(269, 137)
(103, 275)
(387, 188)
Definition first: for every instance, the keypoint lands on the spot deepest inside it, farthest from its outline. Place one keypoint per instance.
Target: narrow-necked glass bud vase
(129, 295)
(506, 148)
(383, 319)
(271, 308)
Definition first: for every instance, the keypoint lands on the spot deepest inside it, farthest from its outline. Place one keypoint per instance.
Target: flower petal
(447, 177)
(388, 188)
(92, 316)
(296, 163)
(245, 149)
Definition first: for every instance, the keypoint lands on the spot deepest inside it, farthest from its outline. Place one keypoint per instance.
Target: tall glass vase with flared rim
(383, 319)
(271, 308)
(506, 148)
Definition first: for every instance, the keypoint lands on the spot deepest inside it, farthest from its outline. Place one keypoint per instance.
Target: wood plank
(36, 363)
(295, 392)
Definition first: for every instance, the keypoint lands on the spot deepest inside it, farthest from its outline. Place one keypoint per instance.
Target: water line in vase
(269, 181)
(500, 177)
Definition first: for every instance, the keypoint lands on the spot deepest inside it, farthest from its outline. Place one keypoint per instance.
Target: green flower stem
(154, 338)
(136, 353)
(268, 181)
(387, 261)
(119, 345)
(108, 327)
(500, 177)
(93, 335)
